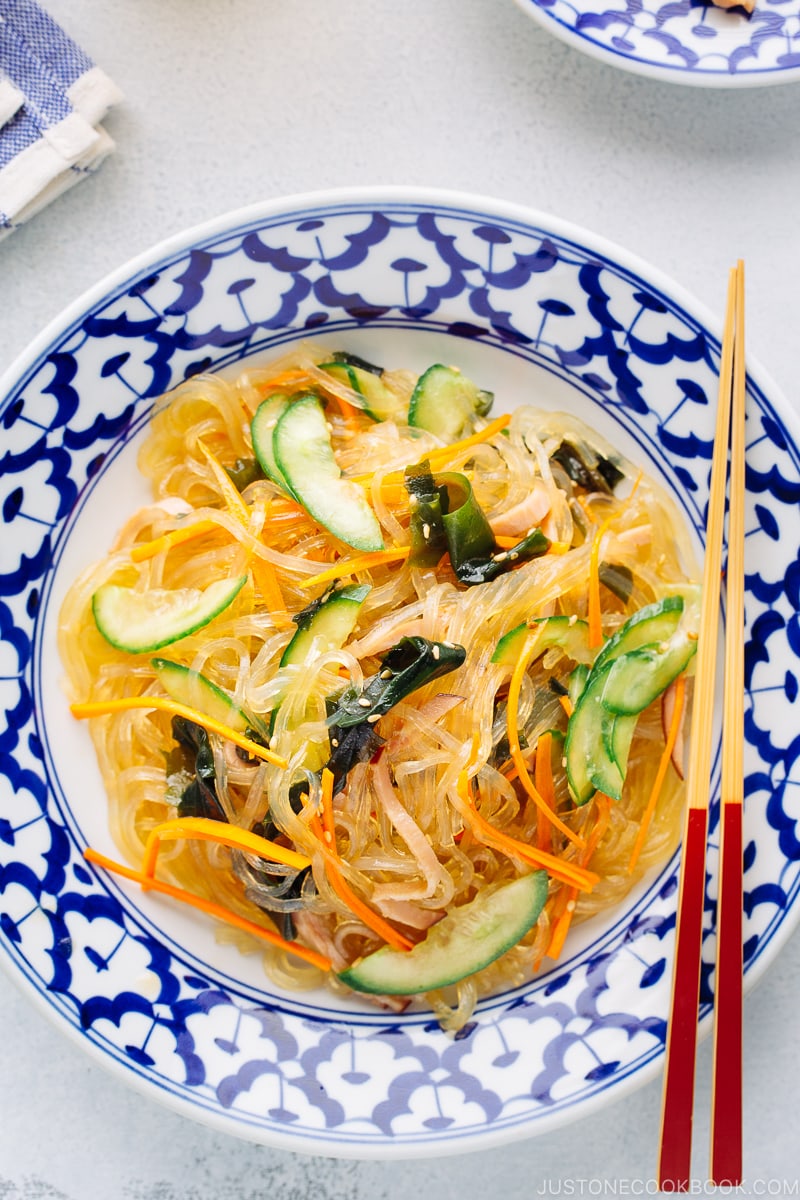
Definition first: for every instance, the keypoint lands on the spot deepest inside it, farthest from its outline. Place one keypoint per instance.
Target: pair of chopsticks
(674, 1167)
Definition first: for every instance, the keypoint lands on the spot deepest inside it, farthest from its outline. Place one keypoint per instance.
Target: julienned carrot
(443, 454)
(263, 571)
(325, 833)
(564, 919)
(209, 907)
(594, 614)
(185, 533)
(205, 830)
(543, 780)
(559, 868)
(512, 711)
(658, 782)
(594, 609)
(362, 562)
(100, 708)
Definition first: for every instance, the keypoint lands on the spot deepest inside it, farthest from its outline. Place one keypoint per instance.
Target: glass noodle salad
(392, 688)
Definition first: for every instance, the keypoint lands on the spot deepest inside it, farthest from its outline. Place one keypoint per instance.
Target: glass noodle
(405, 840)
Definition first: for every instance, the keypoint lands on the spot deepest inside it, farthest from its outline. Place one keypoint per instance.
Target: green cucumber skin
(104, 602)
(463, 942)
(302, 447)
(333, 622)
(379, 403)
(445, 402)
(262, 429)
(649, 625)
(196, 691)
(637, 678)
(589, 764)
(572, 636)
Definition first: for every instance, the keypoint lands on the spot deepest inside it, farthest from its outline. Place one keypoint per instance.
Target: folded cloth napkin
(52, 99)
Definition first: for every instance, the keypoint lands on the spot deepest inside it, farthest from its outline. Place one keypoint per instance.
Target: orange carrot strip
(559, 868)
(100, 708)
(263, 571)
(205, 830)
(341, 887)
(209, 907)
(512, 712)
(595, 611)
(564, 919)
(443, 454)
(175, 537)
(566, 704)
(362, 562)
(543, 779)
(230, 493)
(658, 782)
(294, 375)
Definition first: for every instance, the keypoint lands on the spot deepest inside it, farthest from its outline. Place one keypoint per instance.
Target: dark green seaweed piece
(579, 471)
(414, 661)
(475, 571)
(428, 537)
(469, 534)
(618, 579)
(350, 745)
(609, 471)
(353, 360)
(244, 472)
(200, 798)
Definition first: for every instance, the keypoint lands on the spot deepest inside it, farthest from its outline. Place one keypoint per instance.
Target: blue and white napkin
(52, 99)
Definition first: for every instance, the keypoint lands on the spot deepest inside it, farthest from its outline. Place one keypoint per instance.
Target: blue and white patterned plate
(682, 41)
(540, 312)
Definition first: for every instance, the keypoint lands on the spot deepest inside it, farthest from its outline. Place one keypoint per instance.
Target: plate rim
(662, 72)
(329, 199)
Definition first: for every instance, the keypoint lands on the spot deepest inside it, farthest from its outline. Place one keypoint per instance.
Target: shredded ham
(411, 915)
(433, 710)
(435, 876)
(524, 516)
(315, 930)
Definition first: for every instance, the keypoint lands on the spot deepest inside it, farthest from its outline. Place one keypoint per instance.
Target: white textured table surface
(239, 100)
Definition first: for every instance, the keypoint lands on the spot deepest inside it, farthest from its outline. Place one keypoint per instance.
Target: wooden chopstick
(674, 1166)
(726, 1120)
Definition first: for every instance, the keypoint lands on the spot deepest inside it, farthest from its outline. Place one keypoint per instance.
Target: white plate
(537, 310)
(682, 41)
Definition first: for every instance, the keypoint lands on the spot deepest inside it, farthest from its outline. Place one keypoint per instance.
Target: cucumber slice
(619, 745)
(380, 402)
(463, 942)
(196, 691)
(446, 403)
(302, 447)
(637, 678)
(330, 623)
(576, 683)
(262, 430)
(649, 625)
(140, 622)
(589, 764)
(568, 633)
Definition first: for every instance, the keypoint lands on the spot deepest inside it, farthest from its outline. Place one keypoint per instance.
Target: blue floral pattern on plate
(682, 41)
(162, 1002)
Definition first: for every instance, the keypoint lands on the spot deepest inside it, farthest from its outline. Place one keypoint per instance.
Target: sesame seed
(449, 645)
(364, 702)
(572, 619)
(386, 674)
(436, 652)
(693, 637)
(501, 557)
(334, 742)
(329, 427)
(426, 531)
(513, 555)
(372, 718)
